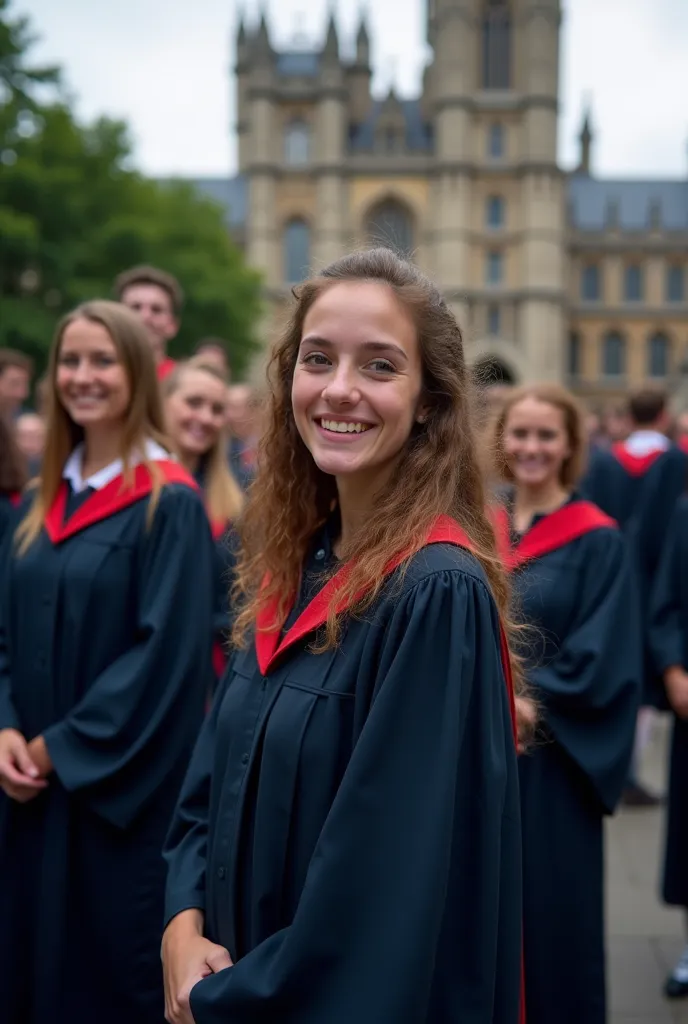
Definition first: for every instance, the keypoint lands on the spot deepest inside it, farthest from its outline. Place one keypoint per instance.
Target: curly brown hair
(13, 470)
(437, 471)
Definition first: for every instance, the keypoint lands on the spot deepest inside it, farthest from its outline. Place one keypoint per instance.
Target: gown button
(220, 873)
(244, 759)
(320, 554)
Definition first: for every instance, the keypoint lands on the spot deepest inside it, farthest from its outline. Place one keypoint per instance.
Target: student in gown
(195, 413)
(13, 477)
(575, 590)
(669, 639)
(638, 483)
(157, 298)
(347, 844)
(105, 648)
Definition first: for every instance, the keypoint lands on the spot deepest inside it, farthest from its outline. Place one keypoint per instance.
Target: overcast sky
(164, 66)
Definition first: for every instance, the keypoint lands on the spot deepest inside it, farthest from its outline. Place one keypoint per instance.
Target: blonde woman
(104, 665)
(196, 414)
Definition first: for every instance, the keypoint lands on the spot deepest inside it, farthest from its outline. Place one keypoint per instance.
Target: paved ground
(645, 938)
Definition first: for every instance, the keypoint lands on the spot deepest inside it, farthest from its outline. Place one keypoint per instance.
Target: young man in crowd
(157, 298)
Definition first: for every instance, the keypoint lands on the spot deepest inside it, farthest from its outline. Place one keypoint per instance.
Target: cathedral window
(496, 45)
(675, 284)
(658, 355)
(495, 141)
(389, 224)
(494, 212)
(590, 283)
(633, 283)
(613, 355)
(297, 144)
(494, 268)
(297, 251)
(494, 321)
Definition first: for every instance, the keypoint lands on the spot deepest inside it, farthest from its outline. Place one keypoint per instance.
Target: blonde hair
(224, 497)
(143, 419)
(574, 423)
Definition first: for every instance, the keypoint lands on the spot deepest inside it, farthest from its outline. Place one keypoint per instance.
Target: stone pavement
(645, 937)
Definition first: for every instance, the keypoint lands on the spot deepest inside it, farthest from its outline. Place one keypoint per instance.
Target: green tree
(74, 213)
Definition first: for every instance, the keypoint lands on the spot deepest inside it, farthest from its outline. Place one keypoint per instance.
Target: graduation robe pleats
(105, 646)
(575, 589)
(323, 826)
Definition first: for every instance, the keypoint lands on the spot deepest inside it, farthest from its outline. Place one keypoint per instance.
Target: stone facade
(553, 275)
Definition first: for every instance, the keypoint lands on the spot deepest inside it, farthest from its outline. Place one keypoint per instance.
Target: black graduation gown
(584, 663)
(105, 645)
(640, 493)
(224, 562)
(9, 514)
(669, 640)
(350, 822)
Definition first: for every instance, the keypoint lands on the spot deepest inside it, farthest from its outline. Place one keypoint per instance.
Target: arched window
(297, 144)
(494, 212)
(389, 224)
(590, 283)
(575, 361)
(633, 283)
(496, 45)
(297, 251)
(658, 349)
(613, 355)
(495, 142)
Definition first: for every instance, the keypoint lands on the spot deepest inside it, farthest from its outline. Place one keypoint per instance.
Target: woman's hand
(187, 958)
(676, 683)
(19, 774)
(38, 752)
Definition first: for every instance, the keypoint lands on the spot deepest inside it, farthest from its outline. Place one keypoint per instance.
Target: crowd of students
(378, 764)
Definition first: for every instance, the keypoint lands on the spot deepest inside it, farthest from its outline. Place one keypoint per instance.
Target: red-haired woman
(347, 846)
(573, 579)
(105, 641)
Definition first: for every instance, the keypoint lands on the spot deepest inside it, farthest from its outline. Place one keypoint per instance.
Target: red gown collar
(110, 499)
(550, 533)
(635, 465)
(269, 646)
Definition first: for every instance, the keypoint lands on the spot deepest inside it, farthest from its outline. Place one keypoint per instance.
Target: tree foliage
(74, 213)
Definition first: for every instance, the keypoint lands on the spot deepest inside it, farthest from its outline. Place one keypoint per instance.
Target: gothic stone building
(553, 275)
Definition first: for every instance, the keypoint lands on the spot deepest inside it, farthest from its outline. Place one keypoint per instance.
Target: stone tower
(498, 206)
(464, 177)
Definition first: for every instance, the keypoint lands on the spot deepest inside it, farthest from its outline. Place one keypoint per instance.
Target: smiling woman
(105, 661)
(575, 586)
(368, 708)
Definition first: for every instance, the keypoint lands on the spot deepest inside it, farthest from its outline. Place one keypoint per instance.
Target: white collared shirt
(644, 442)
(72, 471)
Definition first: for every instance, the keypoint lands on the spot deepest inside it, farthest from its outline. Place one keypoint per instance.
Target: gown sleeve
(590, 689)
(420, 849)
(225, 563)
(667, 628)
(130, 729)
(187, 841)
